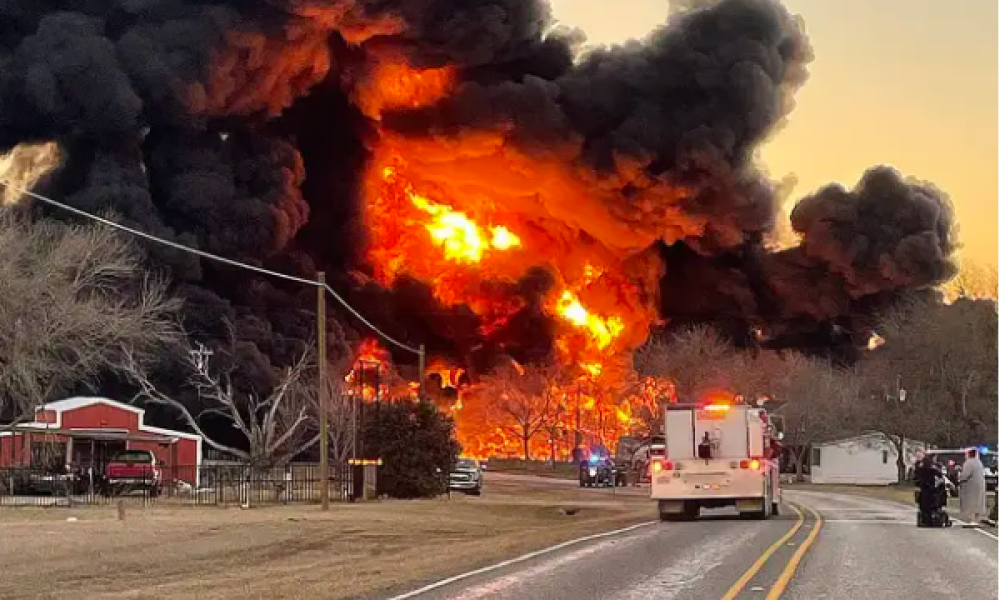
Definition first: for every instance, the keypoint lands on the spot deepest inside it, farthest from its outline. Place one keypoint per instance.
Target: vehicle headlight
(593, 472)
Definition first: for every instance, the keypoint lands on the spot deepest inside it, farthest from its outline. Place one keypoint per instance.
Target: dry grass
(534, 467)
(353, 550)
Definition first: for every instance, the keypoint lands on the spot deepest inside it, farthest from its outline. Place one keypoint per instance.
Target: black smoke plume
(232, 126)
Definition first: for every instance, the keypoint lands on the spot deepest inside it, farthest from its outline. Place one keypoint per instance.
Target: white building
(867, 459)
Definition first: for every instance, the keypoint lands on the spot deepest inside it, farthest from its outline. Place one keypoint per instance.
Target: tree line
(78, 309)
(929, 377)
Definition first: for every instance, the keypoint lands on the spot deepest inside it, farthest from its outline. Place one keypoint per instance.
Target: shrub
(417, 446)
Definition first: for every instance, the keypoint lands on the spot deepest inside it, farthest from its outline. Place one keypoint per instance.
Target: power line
(388, 338)
(209, 256)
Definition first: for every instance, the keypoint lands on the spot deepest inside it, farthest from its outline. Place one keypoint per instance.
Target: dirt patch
(355, 550)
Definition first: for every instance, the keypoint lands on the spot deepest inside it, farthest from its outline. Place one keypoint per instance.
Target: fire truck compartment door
(680, 434)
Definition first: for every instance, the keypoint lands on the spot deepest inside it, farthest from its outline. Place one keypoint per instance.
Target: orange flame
(370, 369)
(394, 85)
(459, 236)
(603, 330)
(468, 216)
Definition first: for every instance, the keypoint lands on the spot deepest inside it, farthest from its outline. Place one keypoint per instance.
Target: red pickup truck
(134, 470)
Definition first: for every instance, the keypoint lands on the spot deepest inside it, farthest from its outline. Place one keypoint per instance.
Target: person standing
(972, 489)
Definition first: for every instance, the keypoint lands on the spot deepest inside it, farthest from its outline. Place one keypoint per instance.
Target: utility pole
(324, 424)
(378, 410)
(362, 365)
(421, 365)
(577, 454)
(354, 423)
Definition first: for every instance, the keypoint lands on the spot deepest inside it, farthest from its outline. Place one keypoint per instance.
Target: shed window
(815, 457)
(885, 457)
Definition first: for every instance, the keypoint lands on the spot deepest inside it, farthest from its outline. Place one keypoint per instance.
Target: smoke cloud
(245, 128)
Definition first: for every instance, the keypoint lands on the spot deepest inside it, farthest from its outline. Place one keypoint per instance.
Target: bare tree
(934, 378)
(523, 401)
(72, 298)
(276, 426)
(341, 417)
(694, 361)
(818, 402)
(644, 397)
(699, 360)
(974, 280)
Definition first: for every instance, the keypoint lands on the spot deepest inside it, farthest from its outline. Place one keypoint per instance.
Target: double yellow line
(789, 571)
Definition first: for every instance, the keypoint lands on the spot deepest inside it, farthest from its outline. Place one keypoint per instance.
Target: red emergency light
(663, 465)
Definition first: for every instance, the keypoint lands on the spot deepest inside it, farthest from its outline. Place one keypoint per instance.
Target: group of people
(930, 476)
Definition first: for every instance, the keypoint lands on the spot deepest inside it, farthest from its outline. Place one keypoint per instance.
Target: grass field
(538, 468)
(293, 551)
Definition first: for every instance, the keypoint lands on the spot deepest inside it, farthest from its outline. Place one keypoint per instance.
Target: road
(864, 548)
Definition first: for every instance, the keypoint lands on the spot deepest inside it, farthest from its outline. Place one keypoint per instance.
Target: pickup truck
(133, 470)
(467, 476)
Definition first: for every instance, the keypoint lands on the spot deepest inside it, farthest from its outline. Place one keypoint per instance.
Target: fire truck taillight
(753, 465)
(662, 465)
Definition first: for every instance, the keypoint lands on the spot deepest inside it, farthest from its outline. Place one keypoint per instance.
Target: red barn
(89, 431)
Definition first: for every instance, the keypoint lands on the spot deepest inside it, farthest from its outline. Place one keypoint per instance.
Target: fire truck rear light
(667, 465)
(755, 464)
(716, 408)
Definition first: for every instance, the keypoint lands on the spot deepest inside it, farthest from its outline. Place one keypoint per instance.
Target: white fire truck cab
(717, 454)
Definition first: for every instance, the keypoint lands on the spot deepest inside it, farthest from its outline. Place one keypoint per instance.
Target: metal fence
(206, 485)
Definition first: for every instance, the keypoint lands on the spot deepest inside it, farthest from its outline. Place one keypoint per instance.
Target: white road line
(976, 528)
(988, 534)
(519, 559)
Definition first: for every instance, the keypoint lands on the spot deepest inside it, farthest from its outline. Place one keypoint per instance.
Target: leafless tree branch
(72, 298)
(276, 426)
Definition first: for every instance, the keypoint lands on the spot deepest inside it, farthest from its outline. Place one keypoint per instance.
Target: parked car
(133, 470)
(990, 467)
(56, 482)
(466, 476)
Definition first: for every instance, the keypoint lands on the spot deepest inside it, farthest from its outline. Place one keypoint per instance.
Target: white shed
(867, 459)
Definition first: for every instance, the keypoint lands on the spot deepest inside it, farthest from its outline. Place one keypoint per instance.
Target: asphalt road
(873, 549)
(864, 549)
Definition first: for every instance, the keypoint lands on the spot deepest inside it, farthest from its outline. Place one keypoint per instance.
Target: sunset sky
(910, 83)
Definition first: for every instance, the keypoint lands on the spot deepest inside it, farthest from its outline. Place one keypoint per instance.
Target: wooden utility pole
(324, 410)
(577, 440)
(422, 364)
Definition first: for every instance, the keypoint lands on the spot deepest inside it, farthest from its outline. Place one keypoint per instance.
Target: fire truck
(717, 454)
